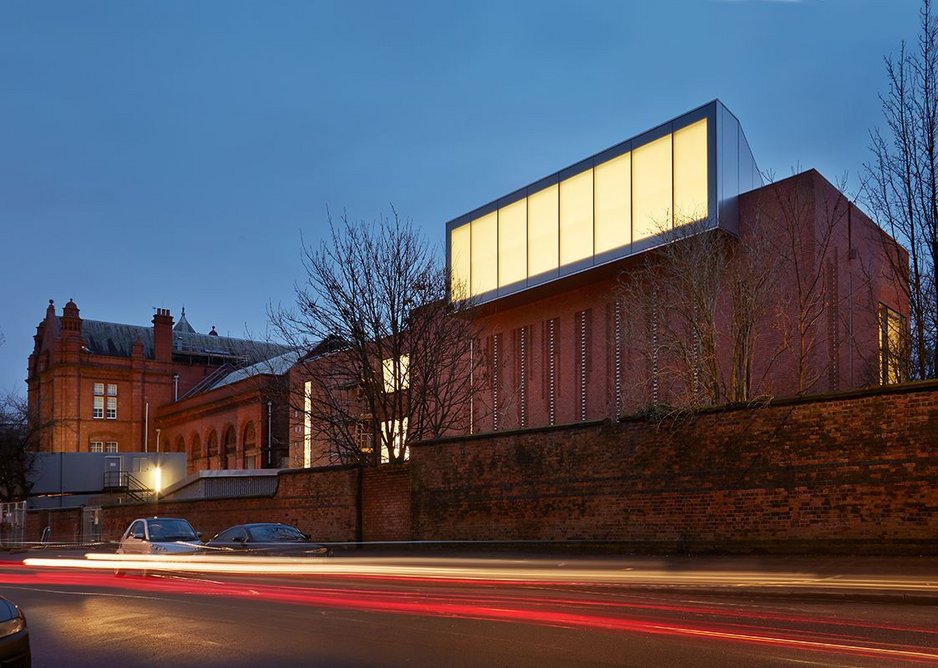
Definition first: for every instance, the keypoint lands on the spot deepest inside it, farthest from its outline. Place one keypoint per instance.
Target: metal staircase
(127, 487)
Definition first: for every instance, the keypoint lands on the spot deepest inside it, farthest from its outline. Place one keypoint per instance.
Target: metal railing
(127, 486)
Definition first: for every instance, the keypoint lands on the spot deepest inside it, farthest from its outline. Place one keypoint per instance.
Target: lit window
(542, 231)
(576, 218)
(307, 424)
(396, 376)
(891, 346)
(512, 243)
(613, 203)
(690, 173)
(484, 256)
(459, 252)
(395, 432)
(651, 188)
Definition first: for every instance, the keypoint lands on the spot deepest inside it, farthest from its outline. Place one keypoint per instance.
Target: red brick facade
(564, 352)
(846, 473)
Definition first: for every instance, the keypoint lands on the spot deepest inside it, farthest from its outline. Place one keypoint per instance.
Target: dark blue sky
(170, 153)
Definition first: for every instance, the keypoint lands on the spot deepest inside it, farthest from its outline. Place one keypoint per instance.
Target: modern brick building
(567, 340)
(570, 335)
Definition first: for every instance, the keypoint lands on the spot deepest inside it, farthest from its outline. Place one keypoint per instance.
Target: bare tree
(390, 357)
(17, 448)
(703, 294)
(902, 183)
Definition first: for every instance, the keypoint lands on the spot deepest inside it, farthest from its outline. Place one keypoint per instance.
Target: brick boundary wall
(849, 473)
(386, 504)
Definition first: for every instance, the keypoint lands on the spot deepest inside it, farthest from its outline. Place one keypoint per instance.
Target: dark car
(266, 538)
(14, 636)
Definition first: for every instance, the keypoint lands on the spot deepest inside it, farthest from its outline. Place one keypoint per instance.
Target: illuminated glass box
(609, 206)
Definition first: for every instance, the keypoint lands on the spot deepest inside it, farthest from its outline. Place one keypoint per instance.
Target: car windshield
(165, 530)
(275, 533)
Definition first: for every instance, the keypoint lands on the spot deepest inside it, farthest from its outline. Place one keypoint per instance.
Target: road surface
(444, 612)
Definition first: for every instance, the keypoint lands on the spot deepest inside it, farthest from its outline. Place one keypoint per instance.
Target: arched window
(212, 449)
(195, 455)
(180, 444)
(229, 458)
(249, 445)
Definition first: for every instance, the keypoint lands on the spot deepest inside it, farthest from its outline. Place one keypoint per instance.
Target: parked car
(14, 636)
(266, 538)
(159, 535)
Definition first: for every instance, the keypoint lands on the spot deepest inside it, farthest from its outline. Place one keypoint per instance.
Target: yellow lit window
(395, 434)
(891, 346)
(542, 231)
(307, 424)
(459, 257)
(512, 243)
(483, 268)
(576, 217)
(651, 188)
(613, 227)
(690, 173)
(395, 374)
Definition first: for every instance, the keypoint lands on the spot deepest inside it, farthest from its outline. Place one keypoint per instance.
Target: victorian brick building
(98, 386)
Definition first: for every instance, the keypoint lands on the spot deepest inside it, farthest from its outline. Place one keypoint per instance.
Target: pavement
(906, 579)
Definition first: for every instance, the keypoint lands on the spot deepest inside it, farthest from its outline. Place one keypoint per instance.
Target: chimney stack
(162, 335)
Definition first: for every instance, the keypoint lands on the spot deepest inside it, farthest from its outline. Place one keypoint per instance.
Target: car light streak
(501, 608)
(234, 564)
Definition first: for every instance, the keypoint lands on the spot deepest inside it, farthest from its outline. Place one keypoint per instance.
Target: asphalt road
(358, 616)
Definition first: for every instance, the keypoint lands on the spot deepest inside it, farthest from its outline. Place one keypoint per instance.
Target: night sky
(170, 154)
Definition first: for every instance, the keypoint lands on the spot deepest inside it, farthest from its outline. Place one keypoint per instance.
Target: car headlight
(154, 547)
(11, 626)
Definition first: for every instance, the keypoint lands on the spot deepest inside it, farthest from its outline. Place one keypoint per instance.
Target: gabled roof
(117, 340)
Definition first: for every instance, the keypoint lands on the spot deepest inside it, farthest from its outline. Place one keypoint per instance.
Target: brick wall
(849, 473)
(852, 473)
(64, 525)
(386, 504)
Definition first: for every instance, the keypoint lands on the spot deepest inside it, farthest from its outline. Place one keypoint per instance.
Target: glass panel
(99, 388)
(690, 173)
(613, 226)
(484, 264)
(542, 231)
(112, 390)
(512, 243)
(651, 188)
(459, 252)
(396, 381)
(307, 424)
(576, 217)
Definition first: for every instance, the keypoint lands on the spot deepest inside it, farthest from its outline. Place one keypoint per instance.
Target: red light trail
(472, 601)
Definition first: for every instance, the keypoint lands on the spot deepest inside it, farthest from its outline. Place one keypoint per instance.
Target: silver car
(159, 535)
